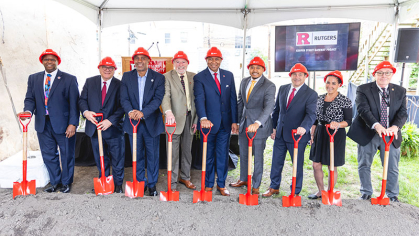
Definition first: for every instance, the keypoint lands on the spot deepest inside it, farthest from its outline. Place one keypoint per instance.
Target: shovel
(381, 200)
(134, 189)
(293, 200)
(25, 187)
(203, 195)
(169, 195)
(330, 197)
(103, 185)
(248, 198)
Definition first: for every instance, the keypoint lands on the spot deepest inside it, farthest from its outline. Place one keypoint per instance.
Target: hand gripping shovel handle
(99, 137)
(25, 125)
(25, 132)
(134, 143)
(332, 150)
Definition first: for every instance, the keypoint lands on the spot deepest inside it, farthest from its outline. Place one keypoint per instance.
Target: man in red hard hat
(52, 96)
(295, 108)
(216, 106)
(381, 108)
(179, 107)
(101, 94)
(142, 91)
(255, 104)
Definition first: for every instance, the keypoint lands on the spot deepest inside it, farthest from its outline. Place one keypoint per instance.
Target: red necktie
(291, 97)
(217, 82)
(103, 93)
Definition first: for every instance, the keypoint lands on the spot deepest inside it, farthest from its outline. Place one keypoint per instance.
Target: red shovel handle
(170, 134)
(387, 143)
(294, 131)
(332, 137)
(251, 139)
(205, 134)
(99, 115)
(25, 125)
(134, 127)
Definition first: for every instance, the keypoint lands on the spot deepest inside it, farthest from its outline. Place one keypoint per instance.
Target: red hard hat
(141, 51)
(49, 52)
(180, 55)
(382, 65)
(257, 61)
(335, 73)
(214, 52)
(107, 61)
(299, 68)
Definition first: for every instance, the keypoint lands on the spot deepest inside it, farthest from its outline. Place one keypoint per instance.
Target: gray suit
(258, 108)
(175, 100)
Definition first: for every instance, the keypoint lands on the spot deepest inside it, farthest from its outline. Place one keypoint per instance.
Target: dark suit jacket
(300, 113)
(259, 107)
(62, 101)
(221, 110)
(368, 107)
(152, 98)
(91, 100)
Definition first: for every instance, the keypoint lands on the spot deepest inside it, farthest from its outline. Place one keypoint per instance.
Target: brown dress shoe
(207, 189)
(239, 183)
(255, 191)
(223, 191)
(270, 192)
(187, 183)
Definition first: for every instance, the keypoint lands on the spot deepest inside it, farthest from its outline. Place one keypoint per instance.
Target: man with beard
(142, 91)
(52, 96)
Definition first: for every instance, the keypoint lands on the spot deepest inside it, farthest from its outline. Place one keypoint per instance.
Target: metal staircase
(374, 49)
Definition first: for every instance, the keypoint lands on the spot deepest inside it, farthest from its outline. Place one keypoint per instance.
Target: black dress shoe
(118, 189)
(65, 188)
(365, 197)
(152, 191)
(53, 188)
(145, 188)
(394, 199)
(314, 196)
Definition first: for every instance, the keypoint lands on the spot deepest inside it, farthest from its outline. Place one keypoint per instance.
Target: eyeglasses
(109, 68)
(379, 73)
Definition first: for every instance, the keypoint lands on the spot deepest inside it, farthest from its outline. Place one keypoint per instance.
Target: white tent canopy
(235, 12)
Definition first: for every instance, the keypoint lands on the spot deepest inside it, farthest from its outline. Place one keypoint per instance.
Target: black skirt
(320, 149)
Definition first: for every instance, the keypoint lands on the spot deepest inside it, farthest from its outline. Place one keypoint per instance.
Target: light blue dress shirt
(141, 85)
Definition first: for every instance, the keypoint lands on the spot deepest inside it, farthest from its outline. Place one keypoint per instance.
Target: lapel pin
(152, 80)
(227, 86)
(392, 89)
(59, 77)
(224, 76)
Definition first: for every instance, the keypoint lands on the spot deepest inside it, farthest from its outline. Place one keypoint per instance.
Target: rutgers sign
(316, 38)
(158, 66)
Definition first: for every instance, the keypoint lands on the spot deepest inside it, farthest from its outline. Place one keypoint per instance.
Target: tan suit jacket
(175, 99)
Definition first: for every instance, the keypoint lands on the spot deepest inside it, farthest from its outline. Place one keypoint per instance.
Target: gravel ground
(83, 213)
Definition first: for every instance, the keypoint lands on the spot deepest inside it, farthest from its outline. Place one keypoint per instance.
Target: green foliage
(414, 76)
(410, 144)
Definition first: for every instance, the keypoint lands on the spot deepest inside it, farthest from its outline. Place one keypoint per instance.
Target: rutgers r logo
(302, 39)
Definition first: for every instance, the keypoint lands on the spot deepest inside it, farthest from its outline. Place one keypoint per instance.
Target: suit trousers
(48, 142)
(184, 141)
(278, 159)
(217, 157)
(113, 151)
(258, 148)
(147, 145)
(365, 158)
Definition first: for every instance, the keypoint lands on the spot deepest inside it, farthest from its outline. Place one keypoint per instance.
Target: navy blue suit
(221, 110)
(113, 139)
(300, 113)
(151, 125)
(63, 111)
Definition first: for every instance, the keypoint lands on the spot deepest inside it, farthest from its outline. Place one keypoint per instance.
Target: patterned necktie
(103, 92)
(217, 82)
(383, 110)
(47, 89)
(291, 97)
(250, 90)
(183, 83)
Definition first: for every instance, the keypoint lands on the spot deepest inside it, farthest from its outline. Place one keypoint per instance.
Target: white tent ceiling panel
(118, 17)
(409, 11)
(261, 17)
(88, 10)
(179, 4)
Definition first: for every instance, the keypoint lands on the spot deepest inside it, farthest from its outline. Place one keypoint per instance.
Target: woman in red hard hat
(335, 109)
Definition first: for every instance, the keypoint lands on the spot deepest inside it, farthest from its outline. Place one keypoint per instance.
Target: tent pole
(99, 28)
(245, 12)
(394, 33)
